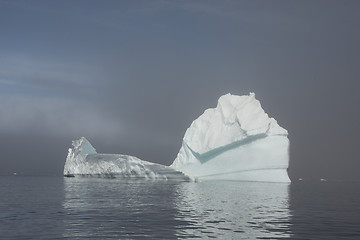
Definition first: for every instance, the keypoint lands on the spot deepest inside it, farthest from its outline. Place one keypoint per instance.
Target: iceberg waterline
(236, 140)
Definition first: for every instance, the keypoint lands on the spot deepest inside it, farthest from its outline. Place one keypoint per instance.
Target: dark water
(70, 208)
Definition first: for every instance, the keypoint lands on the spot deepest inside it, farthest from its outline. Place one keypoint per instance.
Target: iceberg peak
(83, 145)
(234, 119)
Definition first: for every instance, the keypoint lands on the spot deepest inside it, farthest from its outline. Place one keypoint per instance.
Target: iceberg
(236, 140)
(83, 160)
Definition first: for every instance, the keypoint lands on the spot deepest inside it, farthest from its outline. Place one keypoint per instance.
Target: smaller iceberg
(83, 160)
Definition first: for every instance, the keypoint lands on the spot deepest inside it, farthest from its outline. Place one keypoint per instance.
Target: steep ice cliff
(236, 140)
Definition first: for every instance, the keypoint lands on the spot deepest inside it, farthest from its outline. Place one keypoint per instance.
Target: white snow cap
(235, 118)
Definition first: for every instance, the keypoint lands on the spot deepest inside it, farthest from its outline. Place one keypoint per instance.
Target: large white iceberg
(235, 141)
(83, 160)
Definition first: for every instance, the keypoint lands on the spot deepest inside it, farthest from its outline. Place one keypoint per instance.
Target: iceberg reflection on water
(97, 208)
(135, 209)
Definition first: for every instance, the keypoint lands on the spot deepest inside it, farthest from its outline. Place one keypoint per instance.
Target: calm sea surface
(91, 208)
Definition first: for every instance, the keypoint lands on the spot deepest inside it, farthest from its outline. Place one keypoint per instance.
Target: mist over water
(92, 208)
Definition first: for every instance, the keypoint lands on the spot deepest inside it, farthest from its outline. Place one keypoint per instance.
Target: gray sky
(131, 76)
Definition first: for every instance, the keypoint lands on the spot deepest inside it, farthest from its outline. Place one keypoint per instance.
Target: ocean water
(94, 208)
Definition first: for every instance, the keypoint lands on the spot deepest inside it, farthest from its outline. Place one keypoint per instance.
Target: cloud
(44, 74)
(41, 95)
(54, 116)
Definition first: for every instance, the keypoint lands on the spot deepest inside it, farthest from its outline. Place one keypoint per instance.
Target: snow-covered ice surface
(236, 140)
(83, 160)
